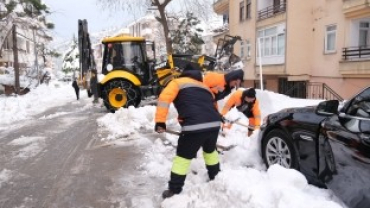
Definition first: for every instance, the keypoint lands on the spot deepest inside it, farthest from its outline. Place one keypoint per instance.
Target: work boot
(213, 170)
(167, 194)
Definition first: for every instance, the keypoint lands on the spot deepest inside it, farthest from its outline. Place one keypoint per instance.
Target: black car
(330, 147)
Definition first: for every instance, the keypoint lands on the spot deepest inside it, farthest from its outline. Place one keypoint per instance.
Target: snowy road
(58, 160)
(80, 156)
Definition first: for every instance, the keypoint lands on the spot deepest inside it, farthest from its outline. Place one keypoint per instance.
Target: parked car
(330, 147)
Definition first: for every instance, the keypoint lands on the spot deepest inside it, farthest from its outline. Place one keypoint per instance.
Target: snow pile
(246, 187)
(243, 180)
(15, 108)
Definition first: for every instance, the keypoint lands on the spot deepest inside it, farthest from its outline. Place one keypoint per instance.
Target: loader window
(126, 56)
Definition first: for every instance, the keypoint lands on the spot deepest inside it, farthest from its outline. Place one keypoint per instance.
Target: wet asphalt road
(57, 160)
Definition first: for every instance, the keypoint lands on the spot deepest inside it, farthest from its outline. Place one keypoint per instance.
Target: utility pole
(16, 63)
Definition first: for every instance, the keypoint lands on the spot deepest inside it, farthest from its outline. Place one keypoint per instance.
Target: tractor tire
(119, 93)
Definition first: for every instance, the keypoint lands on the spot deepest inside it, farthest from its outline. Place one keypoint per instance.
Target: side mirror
(327, 108)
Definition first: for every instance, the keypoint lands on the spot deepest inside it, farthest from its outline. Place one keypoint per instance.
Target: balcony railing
(271, 11)
(356, 53)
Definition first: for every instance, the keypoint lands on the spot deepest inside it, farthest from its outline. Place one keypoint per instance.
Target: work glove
(160, 127)
(223, 119)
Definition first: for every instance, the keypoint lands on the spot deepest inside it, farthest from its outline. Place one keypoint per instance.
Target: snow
(71, 61)
(2, 7)
(16, 108)
(5, 175)
(31, 146)
(243, 181)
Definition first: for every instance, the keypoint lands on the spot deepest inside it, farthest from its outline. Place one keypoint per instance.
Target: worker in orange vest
(200, 123)
(245, 101)
(222, 84)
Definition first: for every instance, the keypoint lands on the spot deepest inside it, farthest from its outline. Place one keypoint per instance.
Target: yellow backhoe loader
(130, 75)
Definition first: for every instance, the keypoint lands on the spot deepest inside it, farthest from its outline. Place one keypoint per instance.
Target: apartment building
(309, 49)
(27, 37)
(152, 30)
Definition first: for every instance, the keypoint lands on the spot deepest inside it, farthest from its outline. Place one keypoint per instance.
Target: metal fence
(358, 52)
(271, 11)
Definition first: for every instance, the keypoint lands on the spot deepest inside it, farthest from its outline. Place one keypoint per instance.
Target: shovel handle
(173, 132)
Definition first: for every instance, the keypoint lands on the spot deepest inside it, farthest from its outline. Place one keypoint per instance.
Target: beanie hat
(251, 93)
(234, 75)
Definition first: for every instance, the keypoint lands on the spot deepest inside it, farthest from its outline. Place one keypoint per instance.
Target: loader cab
(129, 54)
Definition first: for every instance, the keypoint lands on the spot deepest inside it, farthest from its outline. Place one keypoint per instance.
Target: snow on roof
(147, 17)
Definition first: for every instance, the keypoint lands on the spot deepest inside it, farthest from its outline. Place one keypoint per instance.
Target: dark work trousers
(187, 148)
(77, 89)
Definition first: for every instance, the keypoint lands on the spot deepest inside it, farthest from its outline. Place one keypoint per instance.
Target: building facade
(309, 49)
(27, 38)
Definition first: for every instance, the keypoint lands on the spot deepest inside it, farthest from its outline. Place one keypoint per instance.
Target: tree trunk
(15, 63)
(163, 21)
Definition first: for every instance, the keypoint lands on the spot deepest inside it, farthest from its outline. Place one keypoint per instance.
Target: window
(242, 49)
(8, 44)
(272, 41)
(248, 45)
(248, 12)
(364, 34)
(241, 11)
(330, 38)
(225, 18)
(281, 44)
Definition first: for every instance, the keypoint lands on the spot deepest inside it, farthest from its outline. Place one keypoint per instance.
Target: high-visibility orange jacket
(193, 100)
(219, 83)
(215, 81)
(250, 110)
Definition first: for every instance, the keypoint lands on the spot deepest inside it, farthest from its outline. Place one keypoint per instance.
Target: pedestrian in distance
(222, 84)
(245, 101)
(200, 123)
(76, 87)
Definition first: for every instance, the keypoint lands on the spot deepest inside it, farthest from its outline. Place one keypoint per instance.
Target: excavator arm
(224, 57)
(224, 54)
(88, 72)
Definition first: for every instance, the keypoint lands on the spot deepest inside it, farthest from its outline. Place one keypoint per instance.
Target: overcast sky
(65, 14)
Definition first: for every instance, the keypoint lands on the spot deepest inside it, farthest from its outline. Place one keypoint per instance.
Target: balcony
(221, 6)
(356, 62)
(356, 53)
(356, 8)
(271, 11)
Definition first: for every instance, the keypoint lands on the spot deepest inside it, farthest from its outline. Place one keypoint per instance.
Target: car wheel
(120, 93)
(278, 148)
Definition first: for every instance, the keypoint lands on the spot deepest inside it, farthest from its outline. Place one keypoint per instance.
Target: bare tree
(138, 6)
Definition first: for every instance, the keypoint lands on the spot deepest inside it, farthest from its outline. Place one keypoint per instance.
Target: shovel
(220, 147)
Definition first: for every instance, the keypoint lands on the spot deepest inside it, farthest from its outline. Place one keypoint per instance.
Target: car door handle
(305, 137)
